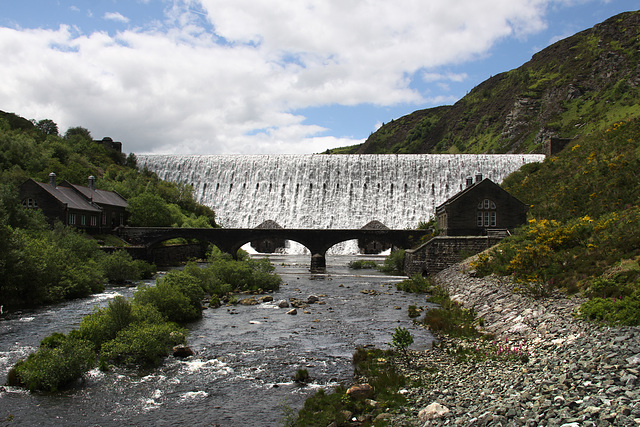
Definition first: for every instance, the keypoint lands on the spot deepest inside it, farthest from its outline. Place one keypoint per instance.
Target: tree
(149, 210)
(132, 161)
(47, 127)
(78, 131)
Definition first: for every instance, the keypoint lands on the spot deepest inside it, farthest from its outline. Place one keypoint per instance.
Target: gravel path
(561, 372)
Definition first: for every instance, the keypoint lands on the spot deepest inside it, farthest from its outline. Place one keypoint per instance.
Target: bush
(143, 344)
(401, 339)
(416, 284)
(245, 274)
(451, 318)
(119, 266)
(613, 311)
(394, 263)
(60, 361)
(177, 297)
(361, 264)
(103, 324)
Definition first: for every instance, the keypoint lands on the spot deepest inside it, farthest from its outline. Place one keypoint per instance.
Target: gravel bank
(574, 373)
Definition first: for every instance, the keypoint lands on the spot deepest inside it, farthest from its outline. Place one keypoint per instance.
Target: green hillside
(583, 233)
(40, 264)
(577, 86)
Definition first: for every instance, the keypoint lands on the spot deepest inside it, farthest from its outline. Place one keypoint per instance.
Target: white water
(328, 191)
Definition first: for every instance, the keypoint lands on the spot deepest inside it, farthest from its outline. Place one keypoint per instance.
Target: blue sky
(263, 76)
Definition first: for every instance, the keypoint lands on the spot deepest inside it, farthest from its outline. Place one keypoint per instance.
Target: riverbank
(554, 370)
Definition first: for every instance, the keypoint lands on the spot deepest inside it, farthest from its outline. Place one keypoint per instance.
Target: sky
(263, 76)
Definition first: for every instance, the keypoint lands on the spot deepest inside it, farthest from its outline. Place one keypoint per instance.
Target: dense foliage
(40, 264)
(584, 227)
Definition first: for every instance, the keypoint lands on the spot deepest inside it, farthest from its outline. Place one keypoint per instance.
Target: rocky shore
(549, 369)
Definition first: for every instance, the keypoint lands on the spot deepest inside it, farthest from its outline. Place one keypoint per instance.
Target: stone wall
(444, 251)
(165, 255)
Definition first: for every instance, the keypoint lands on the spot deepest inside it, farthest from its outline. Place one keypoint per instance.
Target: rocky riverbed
(545, 367)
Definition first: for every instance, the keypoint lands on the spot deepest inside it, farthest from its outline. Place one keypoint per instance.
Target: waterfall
(328, 191)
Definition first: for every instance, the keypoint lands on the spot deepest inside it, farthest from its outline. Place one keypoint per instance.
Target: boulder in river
(182, 351)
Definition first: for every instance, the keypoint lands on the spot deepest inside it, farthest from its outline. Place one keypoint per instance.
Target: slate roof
(69, 197)
(101, 197)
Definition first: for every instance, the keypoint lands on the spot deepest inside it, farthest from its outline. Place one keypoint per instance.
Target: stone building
(481, 208)
(108, 143)
(471, 221)
(86, 208)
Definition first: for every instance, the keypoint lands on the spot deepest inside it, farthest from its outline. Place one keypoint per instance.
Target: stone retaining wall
(164, 255)
(444, 251)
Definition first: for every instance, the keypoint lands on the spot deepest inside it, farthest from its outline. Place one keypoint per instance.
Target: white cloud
(186, 89)
(116, 16)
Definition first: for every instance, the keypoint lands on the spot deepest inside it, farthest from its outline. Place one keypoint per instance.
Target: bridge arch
(317, 241)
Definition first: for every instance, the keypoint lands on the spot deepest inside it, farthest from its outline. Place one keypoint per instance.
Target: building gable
(480, 207)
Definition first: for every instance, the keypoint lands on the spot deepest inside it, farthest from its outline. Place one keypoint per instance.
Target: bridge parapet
(318, 241)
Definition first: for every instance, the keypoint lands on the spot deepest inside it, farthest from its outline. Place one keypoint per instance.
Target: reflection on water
(246, 355)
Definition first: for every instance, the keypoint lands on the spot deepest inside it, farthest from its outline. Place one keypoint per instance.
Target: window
(104, 219)
(30, 203)
(486, 215)
(83, 220)
(94, 220)
(72, 218)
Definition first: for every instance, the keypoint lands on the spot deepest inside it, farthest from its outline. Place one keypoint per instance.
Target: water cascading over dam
(329, 191)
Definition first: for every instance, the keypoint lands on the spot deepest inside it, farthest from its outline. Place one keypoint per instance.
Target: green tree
(47, 127)
(149, 210)
(78, 131)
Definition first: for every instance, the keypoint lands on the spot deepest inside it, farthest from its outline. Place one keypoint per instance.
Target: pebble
(575, 374)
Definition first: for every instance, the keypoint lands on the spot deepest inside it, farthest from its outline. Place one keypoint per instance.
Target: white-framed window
(72, 218)
(83, 219)
(94, 220)
(486, 215)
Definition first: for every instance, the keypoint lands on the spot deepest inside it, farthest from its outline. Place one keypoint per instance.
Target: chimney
(469, 181)
(478, 177)
(52, 179)
(92, 183)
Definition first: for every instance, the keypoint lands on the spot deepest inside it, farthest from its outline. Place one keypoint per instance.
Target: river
(246, 355)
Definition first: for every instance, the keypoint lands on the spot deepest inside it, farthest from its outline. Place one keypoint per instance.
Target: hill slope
(576, 86)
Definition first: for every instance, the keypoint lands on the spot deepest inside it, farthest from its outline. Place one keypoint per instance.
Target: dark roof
(68, 196)
(101, 197)
(485, 181)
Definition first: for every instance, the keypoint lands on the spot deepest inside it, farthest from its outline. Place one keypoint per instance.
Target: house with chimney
(469, 222)
(86, 208)
(481, 208)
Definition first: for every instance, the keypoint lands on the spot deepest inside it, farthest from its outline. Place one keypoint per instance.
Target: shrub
(401, 339)
(104, 323)
(613, 311)
(143, 344)
(394, 263)
(60, 361)
(245, 275)
(451, 318)
(174, 305)
(119, 267)
(361, 264)
(416, 284)
(302, 376)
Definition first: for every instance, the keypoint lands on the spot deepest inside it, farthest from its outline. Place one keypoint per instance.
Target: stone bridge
(229, 240)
